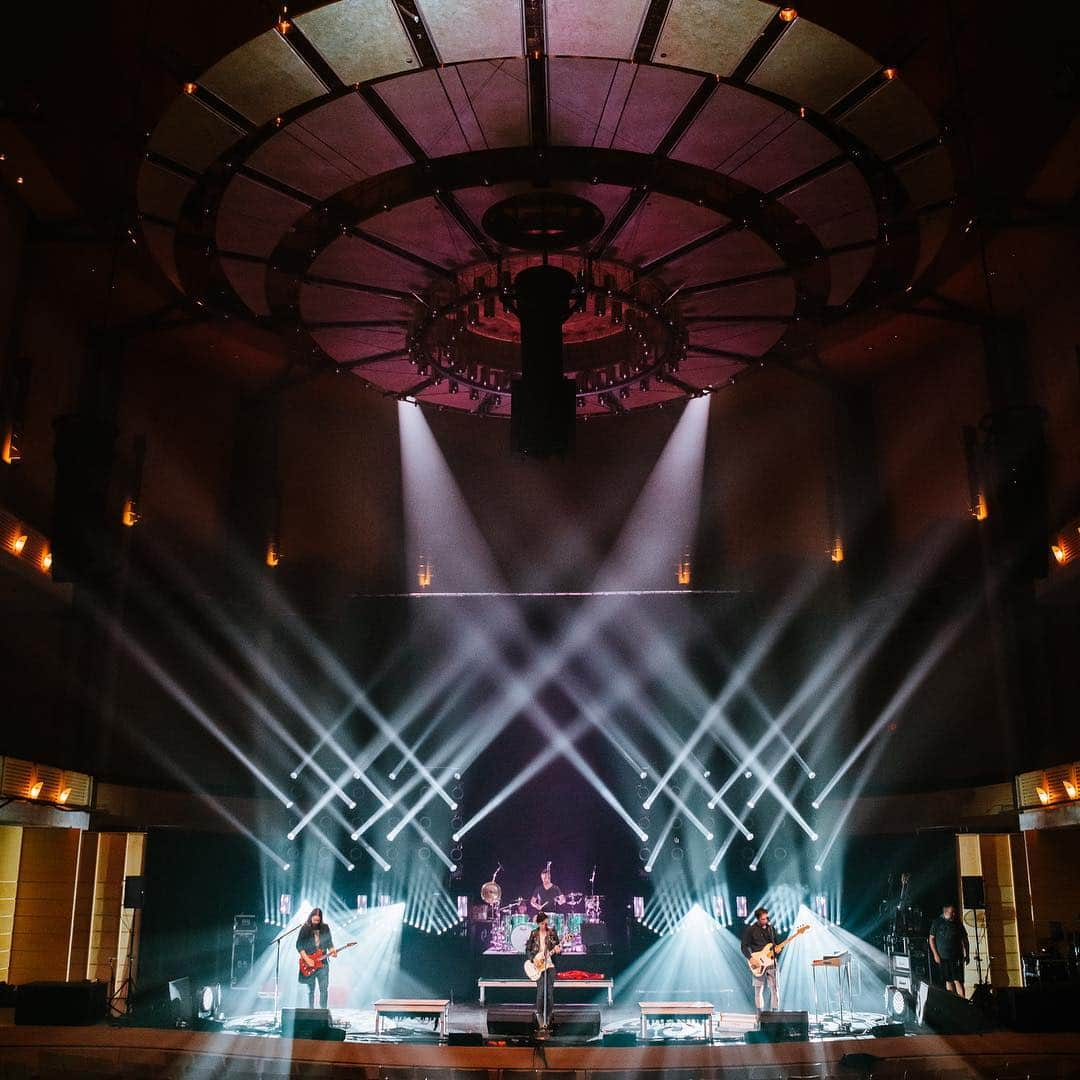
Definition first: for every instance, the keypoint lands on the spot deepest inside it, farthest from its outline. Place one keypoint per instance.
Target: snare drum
(594, 909)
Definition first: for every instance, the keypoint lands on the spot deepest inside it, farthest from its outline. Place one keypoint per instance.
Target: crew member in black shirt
(755, 937)
(949, 945)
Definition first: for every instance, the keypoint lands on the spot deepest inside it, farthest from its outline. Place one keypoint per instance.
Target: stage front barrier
(678, 1010)
(560, 984)
(437, 1008)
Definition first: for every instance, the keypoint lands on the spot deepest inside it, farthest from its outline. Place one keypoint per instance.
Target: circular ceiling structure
(742, 177)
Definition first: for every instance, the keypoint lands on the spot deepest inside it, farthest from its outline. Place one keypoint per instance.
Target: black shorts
(952, 970)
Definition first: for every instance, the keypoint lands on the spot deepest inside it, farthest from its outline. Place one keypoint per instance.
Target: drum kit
(512, 923)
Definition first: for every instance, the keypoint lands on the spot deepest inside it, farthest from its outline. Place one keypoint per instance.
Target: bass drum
(519, 935)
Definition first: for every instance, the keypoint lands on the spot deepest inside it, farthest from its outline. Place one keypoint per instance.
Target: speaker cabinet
(67, 1004)
(973, 893)
(575, 1021)
(947, 1013)
(1038, 1008)
(134, 891)
(514, 1021)
(309, 1024)
(783, 1027)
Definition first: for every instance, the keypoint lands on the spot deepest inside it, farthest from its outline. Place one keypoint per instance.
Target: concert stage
(46, 1052)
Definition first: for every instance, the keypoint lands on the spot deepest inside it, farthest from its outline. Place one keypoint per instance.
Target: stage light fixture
(753, 866)
(742, 907)
(351, 867)
(643, 774)
(811, 775)
(35, 788)
(293, 775)
(748, 774)
(20, 543)
(816, 805)
(817, 867)
(286, 866)
(288, 804)
(749, 836)
(751, 803)
(457, 776)
(356, 775)
(890, 73)
(393, 776)
(190, 88)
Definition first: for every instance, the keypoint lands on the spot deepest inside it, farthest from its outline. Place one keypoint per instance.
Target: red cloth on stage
(580, 975)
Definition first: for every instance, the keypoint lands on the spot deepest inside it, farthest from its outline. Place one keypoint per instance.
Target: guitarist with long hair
(757, 936)
(540, 949)
(314, 943)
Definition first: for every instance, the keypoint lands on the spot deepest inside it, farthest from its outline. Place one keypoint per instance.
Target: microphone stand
(277, 966)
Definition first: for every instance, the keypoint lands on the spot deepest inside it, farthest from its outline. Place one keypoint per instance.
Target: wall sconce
(46, 561)
(424, 572)
(64, 795)
(19, 543)
(1070, 788)
(1044, 795)
(130, 515)
(35, 788)
(836, 552)
(273, 556)
(683, 571)
(979, 510)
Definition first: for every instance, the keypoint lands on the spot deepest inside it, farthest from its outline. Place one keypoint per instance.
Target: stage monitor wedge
(512, 1021)
(310, 1024)
(947, 1013)
(575, 1022)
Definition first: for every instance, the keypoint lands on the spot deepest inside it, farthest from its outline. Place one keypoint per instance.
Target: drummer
(547, 895)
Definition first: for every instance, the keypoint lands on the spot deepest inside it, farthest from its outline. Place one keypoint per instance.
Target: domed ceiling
(758, 177)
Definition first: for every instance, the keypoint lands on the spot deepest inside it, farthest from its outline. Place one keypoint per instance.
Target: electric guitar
(536, 967)
(318, 959)
(765, 957)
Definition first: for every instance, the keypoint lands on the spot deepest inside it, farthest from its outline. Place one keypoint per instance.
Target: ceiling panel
(263, 78)
(474, 29)
(847, 272)
(496, 95)
(662, 224)
(353, 343)
(790, 148)
(360, 39)
(161, 240)
(753, 339)
(395, 376)
(732, 255)
(421, 102)
(933, 229)
(161, 192)
(349, 258)
(729, 120)
(891, 120)
(423, 225)
(249, 283)
(711, 35)
(702, 371)
(190, 134)
(771, 296)
(813, 66)
(656, 97)
(838, 207)
(326, 303)
(252, 218)
(333, 147)
(596, 28)
(580, 91)
(929, 178)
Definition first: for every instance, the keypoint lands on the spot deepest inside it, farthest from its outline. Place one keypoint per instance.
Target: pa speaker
(972, 892)
(517, 1021)
(134, 891)
(620, 1038)
(947, 1013)
(784, 1027)
(593, 934)
(464, 1038)
(62, 1003)
(309, 1024)
(575, 1021)
(888, 1031)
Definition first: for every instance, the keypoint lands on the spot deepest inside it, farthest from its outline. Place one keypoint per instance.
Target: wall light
(64, 795)
(130, 515)
(1070, 788)
(424, 572)
(788, 14)
(890, 73)
(273, 556)
(683, 571)
(979, 510)
(20, 543)
(46, 561)
(1044, 795)
(190, 88)
(35, 788)
(837, 551)
(1059, 554)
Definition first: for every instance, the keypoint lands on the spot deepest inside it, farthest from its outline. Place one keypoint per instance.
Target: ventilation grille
(18, 778)
(1048, 787)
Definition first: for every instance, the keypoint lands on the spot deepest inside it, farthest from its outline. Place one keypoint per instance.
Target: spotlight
(456, 837)
(751, 803)
(811, 775)
(288, 805)
(453, 868)
(816, 805)
(291, 836)
(457, 776)
(890, 73)
(356, 776)
(706, 774)
(817, 867)
(453, 806)
(749, 836)
(286, 866)
(355, 835)
(643, 774)
(293, 775)
(190, 88)
(708, 836)
(753, 866)
(351, 867)
(647, 804)
(788, 14)
(814, 837)
(35, 788)
(748, 774)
